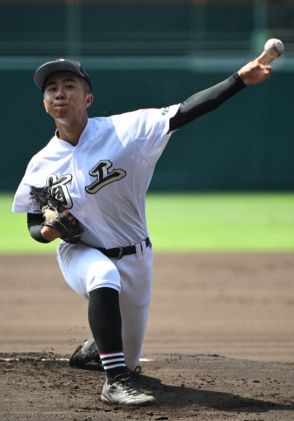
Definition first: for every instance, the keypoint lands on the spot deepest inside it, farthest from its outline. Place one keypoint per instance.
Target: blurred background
(143, 54)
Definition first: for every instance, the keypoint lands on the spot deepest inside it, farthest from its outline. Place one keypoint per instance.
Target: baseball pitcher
(87, 189)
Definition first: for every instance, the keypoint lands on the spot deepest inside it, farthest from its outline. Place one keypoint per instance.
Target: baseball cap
(59, 65)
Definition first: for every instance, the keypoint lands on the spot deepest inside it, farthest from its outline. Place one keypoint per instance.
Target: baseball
(274, 48)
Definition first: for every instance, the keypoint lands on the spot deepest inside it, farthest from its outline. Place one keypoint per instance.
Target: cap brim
(44, 71)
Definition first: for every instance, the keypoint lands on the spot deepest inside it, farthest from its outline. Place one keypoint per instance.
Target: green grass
(14, 234)
(222, 222)
(189, 222)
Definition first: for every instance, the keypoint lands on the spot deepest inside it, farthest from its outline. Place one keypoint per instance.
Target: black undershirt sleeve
(205, 101)
(34, 222)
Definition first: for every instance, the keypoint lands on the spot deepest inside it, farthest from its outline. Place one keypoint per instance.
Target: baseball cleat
(123, 391)
(86, 356)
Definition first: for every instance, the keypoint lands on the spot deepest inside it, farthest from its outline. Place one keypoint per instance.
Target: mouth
(60, 105)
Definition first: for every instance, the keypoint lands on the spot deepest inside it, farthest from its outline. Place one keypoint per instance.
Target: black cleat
(86, 356)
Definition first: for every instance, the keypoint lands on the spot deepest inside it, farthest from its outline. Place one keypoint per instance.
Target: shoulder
(155, 114)
(126, 118)
(99, 123)
(48, 155)
(40, 154)
(46, 151)
(131, 118)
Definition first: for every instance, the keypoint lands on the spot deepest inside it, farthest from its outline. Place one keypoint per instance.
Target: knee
(103, 274)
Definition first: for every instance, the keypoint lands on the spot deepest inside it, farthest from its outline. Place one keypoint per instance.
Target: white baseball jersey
(102, 180)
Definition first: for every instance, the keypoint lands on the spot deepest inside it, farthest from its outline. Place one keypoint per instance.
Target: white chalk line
(48, 359)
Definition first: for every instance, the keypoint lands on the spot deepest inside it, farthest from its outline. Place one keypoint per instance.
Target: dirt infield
(220, 341)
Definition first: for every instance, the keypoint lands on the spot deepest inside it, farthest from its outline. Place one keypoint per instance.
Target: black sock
(105, 323)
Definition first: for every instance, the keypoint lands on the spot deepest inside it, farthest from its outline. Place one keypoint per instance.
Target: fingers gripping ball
(274, 47)
(64, 223)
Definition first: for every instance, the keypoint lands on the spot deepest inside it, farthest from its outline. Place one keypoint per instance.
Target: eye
(51, 88)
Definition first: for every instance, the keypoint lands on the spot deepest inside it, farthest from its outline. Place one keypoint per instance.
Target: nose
(60, 92)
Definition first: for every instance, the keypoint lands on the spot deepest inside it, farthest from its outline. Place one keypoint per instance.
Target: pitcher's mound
(202, 387)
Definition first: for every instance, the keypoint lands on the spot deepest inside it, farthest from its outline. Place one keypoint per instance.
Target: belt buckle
(120, 253)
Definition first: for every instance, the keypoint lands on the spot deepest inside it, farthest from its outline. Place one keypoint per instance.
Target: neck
(71, 131)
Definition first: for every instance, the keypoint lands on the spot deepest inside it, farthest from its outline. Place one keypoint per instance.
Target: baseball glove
(56, 216)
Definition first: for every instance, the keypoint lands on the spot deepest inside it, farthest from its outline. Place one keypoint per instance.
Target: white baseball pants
(85, 269)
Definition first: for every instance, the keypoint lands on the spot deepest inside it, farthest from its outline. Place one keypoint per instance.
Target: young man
(99, 170)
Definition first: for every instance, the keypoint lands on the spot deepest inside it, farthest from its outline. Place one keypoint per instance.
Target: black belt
(119, 252)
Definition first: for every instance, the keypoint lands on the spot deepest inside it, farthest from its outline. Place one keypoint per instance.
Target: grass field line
(188, 222)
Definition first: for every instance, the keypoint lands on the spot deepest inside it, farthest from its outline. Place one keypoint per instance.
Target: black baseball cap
(59, 65)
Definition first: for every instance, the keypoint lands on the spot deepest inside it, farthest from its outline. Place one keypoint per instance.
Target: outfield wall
(247, 144)
(152, 54)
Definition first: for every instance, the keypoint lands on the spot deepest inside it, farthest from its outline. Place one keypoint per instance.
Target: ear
(89, 100)
(45, 106)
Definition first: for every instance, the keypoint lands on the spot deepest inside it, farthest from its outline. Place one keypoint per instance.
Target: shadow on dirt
(177, 396)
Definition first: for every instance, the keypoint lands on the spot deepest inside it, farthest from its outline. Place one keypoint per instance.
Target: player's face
(66, 96)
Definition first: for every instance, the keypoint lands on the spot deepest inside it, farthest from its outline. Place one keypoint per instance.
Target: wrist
(242, 76)
(50, 233)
